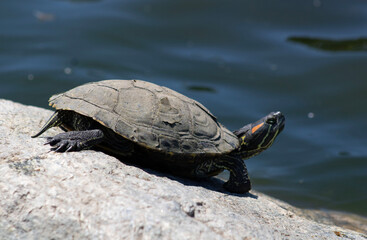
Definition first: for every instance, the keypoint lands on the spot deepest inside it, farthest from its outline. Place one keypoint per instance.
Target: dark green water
(241, 59)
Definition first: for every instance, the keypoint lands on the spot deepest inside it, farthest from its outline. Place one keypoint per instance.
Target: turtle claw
(62, 143)
(59, 146)
(74, 141)
(65, 145)
(50, 140)
(72, 147)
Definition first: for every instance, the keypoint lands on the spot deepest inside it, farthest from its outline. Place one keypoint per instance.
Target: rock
(90, 195)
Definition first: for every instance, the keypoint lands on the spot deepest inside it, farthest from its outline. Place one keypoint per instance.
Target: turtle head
(258, 136)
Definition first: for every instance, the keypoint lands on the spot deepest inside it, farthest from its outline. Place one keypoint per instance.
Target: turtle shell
(153, 116)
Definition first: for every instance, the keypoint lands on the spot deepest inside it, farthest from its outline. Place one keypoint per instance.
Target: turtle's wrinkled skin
(142, 121)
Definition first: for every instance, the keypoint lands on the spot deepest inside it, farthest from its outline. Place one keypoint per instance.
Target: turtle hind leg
(75, 140)
(239, 181)
(54, 121)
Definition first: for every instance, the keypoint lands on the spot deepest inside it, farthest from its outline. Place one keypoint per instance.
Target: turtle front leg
(75, 140)
(239, 181)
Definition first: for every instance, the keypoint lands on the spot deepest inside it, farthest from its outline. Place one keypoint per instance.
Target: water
(241, 59)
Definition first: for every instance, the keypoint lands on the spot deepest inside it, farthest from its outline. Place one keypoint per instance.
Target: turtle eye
(271, 120)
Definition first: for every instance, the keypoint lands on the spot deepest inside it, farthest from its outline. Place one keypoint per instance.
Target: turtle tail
(54, 121)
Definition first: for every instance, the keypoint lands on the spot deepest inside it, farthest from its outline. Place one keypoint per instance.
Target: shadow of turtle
(211, 183)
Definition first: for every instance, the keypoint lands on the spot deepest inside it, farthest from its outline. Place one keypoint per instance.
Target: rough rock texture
(90, 195)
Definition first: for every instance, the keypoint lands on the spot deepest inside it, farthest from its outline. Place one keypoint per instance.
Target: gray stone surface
(90, 195)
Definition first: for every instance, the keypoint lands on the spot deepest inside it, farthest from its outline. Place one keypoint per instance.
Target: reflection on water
(235, 57)
(201, 88)
(42, 16)
(359, 44)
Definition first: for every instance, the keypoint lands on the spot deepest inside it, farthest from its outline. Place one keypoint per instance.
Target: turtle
(151, 124)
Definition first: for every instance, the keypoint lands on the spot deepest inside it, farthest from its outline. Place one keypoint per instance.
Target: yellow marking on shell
(254, 129)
